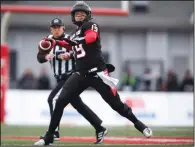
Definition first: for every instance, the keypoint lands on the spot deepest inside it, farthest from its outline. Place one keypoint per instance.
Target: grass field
(84, 136)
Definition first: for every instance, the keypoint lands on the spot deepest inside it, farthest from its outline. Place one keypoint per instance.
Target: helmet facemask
(81, 7)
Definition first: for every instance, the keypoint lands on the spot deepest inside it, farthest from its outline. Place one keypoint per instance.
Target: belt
(92, 71)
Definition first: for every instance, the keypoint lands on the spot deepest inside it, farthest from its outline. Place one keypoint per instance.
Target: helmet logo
(56, 21)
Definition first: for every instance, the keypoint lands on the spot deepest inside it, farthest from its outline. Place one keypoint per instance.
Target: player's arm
(91, 32)
(64, 43)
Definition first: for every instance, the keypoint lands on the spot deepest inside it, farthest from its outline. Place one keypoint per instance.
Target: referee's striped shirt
(61, 66)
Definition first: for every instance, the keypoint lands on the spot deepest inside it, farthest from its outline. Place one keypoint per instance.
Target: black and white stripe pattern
(61, 66)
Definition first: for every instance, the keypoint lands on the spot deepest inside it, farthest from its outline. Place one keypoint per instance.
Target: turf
(59, 143)
(86, 131)
(89, 131)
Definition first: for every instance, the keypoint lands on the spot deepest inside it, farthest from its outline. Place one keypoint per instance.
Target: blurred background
(151, 48)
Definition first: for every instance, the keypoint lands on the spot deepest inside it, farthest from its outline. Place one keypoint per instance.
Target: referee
(63, 64)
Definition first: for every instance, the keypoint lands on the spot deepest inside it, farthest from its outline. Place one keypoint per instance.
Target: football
(45, 45)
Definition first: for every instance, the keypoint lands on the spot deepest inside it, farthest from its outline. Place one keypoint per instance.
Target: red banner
(4, 77)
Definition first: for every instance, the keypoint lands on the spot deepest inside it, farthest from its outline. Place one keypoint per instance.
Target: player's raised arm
(91, 32)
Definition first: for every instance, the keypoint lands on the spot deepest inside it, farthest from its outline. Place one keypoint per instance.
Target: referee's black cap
(56, 22)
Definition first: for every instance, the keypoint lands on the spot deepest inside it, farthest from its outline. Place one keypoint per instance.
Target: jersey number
(80, 51)
(94, 28)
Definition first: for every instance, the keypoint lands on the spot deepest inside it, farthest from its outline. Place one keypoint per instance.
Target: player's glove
(110, 67)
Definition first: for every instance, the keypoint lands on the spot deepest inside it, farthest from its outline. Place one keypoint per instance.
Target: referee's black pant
(77, 103)
(76, 84)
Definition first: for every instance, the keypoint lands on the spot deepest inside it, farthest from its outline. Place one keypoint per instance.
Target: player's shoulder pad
(66, 35)
(50, 36)
(90, 25)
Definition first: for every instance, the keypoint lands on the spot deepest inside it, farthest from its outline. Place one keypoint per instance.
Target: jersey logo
(94, 27)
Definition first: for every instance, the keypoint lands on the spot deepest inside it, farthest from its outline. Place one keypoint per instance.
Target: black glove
(110, 67)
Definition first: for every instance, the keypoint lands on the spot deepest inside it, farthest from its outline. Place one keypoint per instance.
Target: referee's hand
(65, 56)
(49, 57)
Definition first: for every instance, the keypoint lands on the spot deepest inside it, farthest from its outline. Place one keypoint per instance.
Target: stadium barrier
(4, 77)
(30, 107)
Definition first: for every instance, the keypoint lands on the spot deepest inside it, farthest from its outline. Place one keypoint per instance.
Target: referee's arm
(41, 56)
(71, 55)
